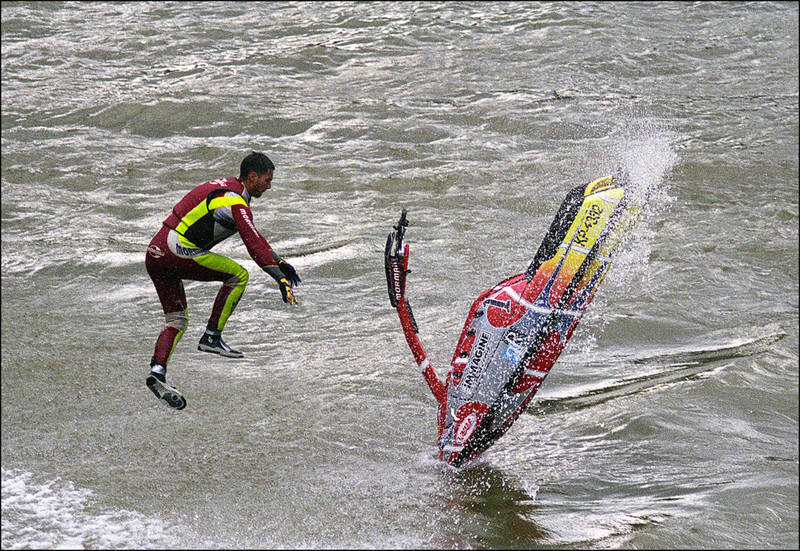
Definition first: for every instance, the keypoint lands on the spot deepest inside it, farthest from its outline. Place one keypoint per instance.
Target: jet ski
(516, 329)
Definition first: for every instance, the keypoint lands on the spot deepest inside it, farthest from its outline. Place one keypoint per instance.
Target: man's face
(257, 184)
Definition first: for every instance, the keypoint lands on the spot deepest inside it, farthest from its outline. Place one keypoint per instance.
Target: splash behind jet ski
(515, 330)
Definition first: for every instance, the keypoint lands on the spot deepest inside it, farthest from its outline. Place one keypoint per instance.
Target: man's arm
(260, 251)
(257, 247)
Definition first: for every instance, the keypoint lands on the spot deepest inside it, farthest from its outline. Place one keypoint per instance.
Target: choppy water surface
(669, 421)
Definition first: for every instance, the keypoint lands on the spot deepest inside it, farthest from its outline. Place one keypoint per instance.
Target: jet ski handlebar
(396, 261)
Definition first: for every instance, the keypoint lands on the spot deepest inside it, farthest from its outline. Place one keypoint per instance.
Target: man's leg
(234, 278)
(173, 301)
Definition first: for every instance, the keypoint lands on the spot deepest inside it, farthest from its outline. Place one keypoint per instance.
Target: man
(208, 214)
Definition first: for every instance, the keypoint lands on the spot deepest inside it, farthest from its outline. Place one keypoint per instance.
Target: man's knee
(178, 320)
(239, 279)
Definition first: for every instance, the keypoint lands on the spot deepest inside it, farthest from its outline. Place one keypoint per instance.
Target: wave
(683, 364)
(57, 514)
(311, 248)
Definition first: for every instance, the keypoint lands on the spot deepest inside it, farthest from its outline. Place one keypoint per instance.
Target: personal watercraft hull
(515, 331)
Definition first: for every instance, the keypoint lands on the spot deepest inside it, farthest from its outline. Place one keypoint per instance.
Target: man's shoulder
(220, 187)
(228, 183)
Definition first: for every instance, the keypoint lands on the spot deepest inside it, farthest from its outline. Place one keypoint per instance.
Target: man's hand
(283, 284)
(286, 291)
(289, 271)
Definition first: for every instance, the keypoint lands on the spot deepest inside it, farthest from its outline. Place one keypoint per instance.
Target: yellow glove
(286, 291)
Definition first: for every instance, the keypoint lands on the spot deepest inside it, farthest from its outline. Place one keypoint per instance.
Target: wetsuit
(208, 214)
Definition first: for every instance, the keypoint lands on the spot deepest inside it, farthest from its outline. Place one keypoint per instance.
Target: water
(671, 420)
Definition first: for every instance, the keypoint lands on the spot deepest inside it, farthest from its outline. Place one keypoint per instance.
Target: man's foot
(157, 382)
(216, 345)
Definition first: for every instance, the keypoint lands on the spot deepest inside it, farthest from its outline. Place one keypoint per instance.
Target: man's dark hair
(255, 162)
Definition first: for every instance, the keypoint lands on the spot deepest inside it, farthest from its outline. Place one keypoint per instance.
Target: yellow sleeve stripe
(225, 202)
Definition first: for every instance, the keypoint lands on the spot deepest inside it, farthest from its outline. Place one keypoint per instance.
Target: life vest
(195, 217)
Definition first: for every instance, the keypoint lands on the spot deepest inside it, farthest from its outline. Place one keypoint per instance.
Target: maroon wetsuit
(211, 212)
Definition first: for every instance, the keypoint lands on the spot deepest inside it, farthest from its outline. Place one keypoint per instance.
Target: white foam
(58, 515)
(642, 149)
